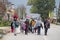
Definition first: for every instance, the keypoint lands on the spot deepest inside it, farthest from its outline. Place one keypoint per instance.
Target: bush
(0, 18)
(5, 23)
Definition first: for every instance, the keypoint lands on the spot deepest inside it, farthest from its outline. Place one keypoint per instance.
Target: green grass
(5, 23)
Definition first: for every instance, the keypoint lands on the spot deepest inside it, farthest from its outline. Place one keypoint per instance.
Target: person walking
(46, 25)
(15, 25)
(33, 24)
(30, 25)
(21, 25)
(38, 25)
(27, 25)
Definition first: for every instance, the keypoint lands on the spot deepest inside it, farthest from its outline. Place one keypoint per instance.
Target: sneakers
(45, 34)
(15, 34)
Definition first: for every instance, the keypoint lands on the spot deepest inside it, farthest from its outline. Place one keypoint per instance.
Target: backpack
(24, 26)
(48, 24)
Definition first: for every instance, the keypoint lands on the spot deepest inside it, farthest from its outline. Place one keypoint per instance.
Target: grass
(5, 23)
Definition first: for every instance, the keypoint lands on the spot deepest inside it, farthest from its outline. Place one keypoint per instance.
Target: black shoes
(15, 34)
(45, 34)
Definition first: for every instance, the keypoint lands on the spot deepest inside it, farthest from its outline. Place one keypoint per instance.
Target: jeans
(38, 30)
(26, 31)
(33, 29)
(46, 29)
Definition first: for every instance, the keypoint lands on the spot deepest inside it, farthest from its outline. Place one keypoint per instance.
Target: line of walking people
(30, 25)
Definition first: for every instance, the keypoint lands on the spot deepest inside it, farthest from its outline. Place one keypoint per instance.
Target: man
(46, 25)
(39, 26)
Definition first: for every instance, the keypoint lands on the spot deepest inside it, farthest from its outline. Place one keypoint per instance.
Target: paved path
(53, 34)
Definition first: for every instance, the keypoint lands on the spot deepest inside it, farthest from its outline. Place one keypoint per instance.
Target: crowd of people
(30, 26)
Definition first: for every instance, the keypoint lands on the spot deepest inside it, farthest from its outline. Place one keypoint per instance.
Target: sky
(20, 2)
(57, 3)
(24, 2)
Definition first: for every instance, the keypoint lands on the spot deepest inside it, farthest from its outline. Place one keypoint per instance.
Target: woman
(33, 24)
(15, 25)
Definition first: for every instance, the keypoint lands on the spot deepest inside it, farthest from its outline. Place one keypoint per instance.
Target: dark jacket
(27, 24)
(46, 24)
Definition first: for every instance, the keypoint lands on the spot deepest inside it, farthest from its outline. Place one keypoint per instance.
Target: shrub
(5, 23)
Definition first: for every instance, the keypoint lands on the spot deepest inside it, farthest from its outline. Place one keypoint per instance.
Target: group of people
(30, 25)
